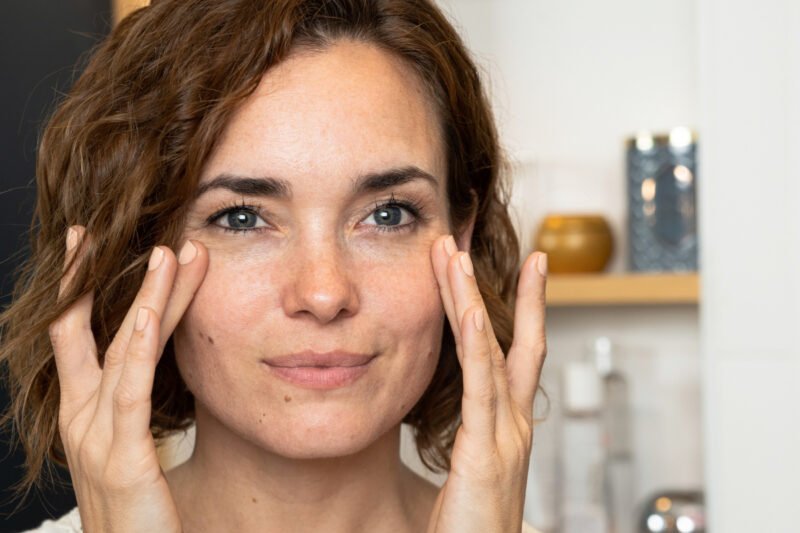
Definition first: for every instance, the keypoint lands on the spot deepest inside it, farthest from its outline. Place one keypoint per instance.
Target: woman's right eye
(239, 219)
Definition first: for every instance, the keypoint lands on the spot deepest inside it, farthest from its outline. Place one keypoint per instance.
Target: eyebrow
(282, 189)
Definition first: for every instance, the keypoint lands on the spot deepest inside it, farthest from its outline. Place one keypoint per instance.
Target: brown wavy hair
(122, 155)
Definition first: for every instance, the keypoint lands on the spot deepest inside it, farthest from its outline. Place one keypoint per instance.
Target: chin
(324, 436)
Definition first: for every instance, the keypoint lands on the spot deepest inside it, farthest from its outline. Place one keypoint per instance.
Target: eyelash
(412, 206)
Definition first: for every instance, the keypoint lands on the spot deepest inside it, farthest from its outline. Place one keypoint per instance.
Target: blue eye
(390, 216)
(239, 219)
(394, 216)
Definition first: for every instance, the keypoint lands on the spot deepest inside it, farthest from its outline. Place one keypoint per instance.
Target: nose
(320, 285)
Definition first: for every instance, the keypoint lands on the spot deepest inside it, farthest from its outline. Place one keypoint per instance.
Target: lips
(314, 370)
(326, 359)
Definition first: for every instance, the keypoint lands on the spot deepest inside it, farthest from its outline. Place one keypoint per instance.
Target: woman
(329, 175)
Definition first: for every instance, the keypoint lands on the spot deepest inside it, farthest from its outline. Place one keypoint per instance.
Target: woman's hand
(485, 489)
(104, 413)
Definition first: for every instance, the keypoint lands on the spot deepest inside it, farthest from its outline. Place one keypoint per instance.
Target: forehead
(350, 109)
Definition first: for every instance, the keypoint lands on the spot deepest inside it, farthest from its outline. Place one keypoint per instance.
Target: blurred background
(654, 150)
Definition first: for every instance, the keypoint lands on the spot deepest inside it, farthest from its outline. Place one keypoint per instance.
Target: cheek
(236, 318)
(238, 309)
(241, 294)
(402, 274)
(405, 304)
(247, 277)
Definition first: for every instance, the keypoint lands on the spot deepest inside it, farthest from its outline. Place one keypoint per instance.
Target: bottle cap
(583, 393)
(601, 349)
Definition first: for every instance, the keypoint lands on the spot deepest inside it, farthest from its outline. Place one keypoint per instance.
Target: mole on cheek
(205, 337)
(287, 398)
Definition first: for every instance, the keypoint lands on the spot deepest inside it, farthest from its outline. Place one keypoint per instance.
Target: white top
(71, 523)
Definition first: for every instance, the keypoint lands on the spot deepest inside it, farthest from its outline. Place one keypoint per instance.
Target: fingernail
(466, 264)
(188, 253)
(141, 319)
(450, 245)
(72, 239)
(542, 264)
(477, 316)
(155, 258)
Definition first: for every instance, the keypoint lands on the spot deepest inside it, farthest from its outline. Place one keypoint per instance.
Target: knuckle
(521, 457)
(499, 358)
(140, 353)
(527, 438)
(56, 332)
(89, 455)
(518, 448)
(147, 293)
(467, 317)
(125, 400)
(536, 347)
(487, 396)
(114, 356)
(70, 438)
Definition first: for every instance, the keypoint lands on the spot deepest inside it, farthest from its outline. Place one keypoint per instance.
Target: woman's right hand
(104, 413)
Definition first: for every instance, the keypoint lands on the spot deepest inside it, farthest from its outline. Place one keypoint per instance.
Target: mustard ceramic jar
(575, 243)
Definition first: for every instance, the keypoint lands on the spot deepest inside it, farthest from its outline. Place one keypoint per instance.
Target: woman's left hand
(485, 488)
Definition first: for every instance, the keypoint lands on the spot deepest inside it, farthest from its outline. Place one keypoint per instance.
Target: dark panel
(43, 44)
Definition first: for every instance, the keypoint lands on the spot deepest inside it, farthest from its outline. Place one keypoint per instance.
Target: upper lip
(322, 359)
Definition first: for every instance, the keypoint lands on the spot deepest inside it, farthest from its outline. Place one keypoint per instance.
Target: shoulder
(527, 528)
(68, 523)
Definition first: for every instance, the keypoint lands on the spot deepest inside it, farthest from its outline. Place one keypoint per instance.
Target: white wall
(570, 80)
(750, 224)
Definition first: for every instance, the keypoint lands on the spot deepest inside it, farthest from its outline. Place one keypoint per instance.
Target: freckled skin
(322, 277)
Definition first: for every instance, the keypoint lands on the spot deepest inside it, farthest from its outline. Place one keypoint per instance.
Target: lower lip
(315, 377)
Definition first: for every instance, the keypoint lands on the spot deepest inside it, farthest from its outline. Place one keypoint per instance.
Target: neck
(230, 484)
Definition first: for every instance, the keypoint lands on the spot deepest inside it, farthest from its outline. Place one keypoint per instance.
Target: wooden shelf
(575, 290)
(121, 8)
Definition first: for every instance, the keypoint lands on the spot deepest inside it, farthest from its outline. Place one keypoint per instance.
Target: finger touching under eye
(440, 256)
(192, 266)
(464, 288)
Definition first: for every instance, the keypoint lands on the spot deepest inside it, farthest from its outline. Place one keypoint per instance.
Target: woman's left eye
(393, 217)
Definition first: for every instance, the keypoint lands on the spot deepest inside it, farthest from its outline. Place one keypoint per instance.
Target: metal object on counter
(575, 243)
(662, 218)
(674, 512)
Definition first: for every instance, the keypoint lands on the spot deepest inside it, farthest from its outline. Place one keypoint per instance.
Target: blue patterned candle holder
(662, 214)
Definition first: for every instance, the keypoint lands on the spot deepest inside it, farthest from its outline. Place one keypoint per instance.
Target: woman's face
(308, 258)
